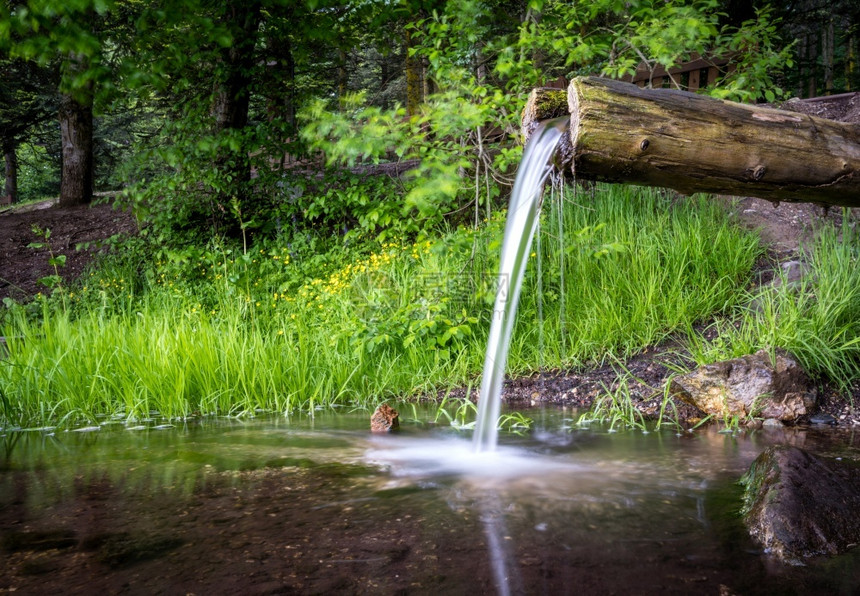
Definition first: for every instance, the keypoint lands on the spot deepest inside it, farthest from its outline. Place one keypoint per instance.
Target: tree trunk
(829, 44)
(480, 64)
(694, 143)
(280, 84)
(10, 187)
(801, 67)
(233, 96)
(413, 77)
(426, 81)
(812, 61)
(76, 133)
(342, 73)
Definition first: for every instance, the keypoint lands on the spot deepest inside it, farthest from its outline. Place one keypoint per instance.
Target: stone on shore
(752, 385)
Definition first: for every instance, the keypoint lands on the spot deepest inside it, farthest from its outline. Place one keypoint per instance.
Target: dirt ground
(21, 267)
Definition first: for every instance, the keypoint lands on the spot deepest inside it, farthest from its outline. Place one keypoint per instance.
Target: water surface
(321, 506)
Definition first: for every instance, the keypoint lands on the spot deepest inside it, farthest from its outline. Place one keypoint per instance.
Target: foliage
(38, 176)
(433, 140)
(461, 414)
(308, 320)
(176, 189)
(64, 32)
(635, 265)
(467, 133)
(193, 96)
(758, 60)
(54, 260)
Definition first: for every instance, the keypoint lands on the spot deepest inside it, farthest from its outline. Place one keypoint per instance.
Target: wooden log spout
(694, 143)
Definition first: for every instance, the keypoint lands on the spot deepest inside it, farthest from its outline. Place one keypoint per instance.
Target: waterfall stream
(523, 216)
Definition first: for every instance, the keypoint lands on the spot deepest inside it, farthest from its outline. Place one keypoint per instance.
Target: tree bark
(76, 133)
(10, 187)
(812, 62)
(694, 143)
(342, 73)
(413, 77)
(829, 44)
(233, 95)
(233, 88)
(548, 103)
(280, 84)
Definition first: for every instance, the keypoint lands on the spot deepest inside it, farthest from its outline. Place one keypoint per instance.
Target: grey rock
(792, 273)
(799, 505)
(752, 385)
(822, 418)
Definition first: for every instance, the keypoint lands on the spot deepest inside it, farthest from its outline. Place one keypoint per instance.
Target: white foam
(427, 457)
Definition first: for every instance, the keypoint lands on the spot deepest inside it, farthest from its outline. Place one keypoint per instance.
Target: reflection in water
(334, 509)
(506, 573)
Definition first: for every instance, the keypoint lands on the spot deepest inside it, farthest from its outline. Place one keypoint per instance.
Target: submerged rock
(38, 540)
(799, 505)
(384, 419)
(751, 385)
(123, 548)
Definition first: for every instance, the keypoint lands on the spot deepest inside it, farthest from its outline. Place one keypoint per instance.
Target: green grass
(316, 324)
(638, 267)
(817, 320)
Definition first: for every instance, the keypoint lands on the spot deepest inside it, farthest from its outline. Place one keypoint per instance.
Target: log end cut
(546, 103)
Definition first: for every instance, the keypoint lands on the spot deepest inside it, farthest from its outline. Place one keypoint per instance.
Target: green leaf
(51, 281)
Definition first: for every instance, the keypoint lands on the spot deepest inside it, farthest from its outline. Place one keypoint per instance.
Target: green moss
(551, 103)
(761, 473)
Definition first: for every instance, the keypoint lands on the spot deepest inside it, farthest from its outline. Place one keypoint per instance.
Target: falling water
(520, 228)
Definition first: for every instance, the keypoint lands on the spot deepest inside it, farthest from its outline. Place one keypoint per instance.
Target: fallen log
(695, 143)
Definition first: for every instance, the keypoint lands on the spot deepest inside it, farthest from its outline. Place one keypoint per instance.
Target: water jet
(611, 131)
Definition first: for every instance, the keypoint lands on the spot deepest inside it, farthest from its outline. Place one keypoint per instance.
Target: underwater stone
(384, 419)
(752, 385)
(800, 505)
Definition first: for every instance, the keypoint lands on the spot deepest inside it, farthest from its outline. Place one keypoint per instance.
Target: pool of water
(319, 505)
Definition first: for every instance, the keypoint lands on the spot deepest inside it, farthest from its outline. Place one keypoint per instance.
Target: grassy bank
(306, 322)
(816, 318)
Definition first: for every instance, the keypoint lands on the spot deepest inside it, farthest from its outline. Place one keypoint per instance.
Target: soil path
(76, 232)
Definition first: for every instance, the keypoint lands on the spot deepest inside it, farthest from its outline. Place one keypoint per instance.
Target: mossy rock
(799, 505)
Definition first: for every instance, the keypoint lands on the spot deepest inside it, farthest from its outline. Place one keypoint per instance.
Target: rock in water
(751, 385)
(800, 505)
(384, 419)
